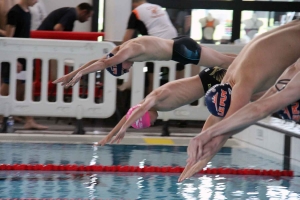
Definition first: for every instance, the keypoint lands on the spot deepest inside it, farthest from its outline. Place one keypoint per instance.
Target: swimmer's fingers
(61, 79)
(74, 80)
(190, 170)
(193, 150)
(213, 146)
(118, 137)
(196, 146)
(183, 174)
(121, 138)
(103, 141)
(210, 150)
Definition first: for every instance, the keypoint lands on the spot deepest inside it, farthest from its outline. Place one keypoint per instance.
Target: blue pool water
(34, 184)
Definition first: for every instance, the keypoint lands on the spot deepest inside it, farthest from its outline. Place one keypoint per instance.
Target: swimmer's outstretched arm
(121, 56)
(167, 96)
(150, 101)
(120, 125)
(261, 108)
(112, 132)
(66, 78)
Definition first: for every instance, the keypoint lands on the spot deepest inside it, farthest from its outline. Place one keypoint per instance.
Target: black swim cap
(218, 99)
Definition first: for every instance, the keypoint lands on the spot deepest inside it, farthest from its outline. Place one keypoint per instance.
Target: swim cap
(218, 99)
(143, 122)
(116, 70)
(291, 112)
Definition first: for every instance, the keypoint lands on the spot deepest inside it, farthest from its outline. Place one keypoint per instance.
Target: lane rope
(151, 169)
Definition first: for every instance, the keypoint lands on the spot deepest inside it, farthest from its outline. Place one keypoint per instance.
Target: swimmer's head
(218, 99)
(291, 112)
(145, 121)
(153, 116)
(117, 70)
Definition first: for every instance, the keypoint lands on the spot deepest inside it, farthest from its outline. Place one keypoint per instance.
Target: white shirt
(156, 20)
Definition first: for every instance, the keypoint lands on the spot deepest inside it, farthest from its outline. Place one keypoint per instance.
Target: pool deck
(62, 133)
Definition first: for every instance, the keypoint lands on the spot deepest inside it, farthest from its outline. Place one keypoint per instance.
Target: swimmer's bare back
(148, 48)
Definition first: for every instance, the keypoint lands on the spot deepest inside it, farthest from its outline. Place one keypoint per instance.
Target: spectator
(38, 14)
(5, 6)
(63, 19)
(18, 25)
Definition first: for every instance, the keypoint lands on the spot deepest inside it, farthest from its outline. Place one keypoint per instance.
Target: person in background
(5, 6)
(63, 19)
(38, 14)
(18, 25)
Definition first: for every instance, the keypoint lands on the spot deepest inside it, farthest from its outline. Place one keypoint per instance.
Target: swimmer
(147, 48)
(168, 97)
(255, 70)
(287, 99)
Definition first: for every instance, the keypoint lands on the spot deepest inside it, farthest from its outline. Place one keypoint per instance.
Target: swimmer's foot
(31, 125)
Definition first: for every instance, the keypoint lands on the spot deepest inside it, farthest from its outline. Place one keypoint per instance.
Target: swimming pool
(37, 184)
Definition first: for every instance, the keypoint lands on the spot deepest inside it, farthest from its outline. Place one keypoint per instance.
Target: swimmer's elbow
(153, 98)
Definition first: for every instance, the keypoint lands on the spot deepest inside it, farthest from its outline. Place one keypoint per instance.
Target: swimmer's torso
(150, 48)
(181, 49)
(261, 63)
(180, 93)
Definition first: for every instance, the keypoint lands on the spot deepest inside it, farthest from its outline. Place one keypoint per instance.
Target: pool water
(36, 184)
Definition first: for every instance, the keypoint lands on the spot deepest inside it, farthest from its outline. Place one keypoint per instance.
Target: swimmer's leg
(212, 58)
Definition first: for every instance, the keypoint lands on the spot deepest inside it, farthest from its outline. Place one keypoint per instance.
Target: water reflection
(134, 185)
(141, 186)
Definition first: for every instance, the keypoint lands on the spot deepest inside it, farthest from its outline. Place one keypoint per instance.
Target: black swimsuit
(186, 50)
(211, 76)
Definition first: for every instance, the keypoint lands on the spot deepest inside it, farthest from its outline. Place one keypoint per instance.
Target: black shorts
(211, 76)
(186, 50)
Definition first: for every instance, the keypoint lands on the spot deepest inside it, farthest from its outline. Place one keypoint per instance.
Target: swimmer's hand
(104, 141)
(63, 80)
(75, 79)
(119, 136)
(199, 155)
(108, 138)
